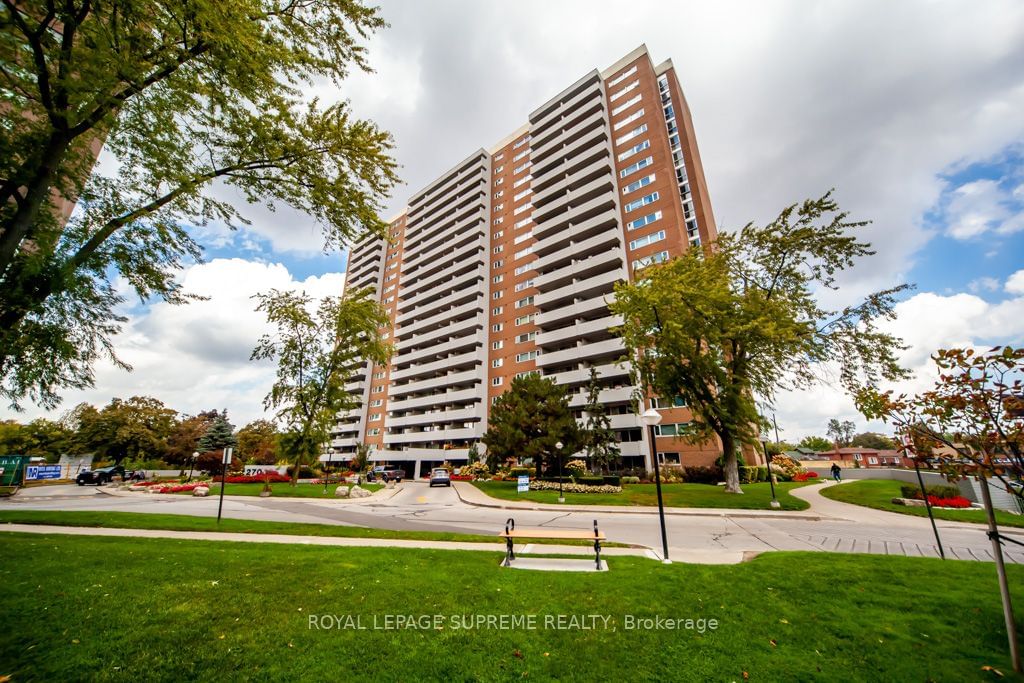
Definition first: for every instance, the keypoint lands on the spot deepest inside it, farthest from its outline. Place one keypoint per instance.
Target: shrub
(762, 473)
(788, 466)
(748, 475)
(703, 475)
(564, 479)
(936, 491)
(592, 481)
(537, 485)
(519, 471)
(612, 479)
(476, 470)
(630, 480)
(671, 475)
(304, 473)
(780, 473)
(740, 461)
(576, 468)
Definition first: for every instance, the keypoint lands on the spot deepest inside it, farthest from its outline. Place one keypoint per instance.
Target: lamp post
(558, 452)
(771, 477)
(192, 465)
(652, 418)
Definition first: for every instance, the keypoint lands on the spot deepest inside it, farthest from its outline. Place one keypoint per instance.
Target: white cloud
(981, 206)
(196, 356)
(1015, 283)
(926, 322)
(989, 284)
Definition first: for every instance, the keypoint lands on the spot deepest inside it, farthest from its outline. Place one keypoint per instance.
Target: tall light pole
(558, 452)
(652, 418)
(195, 456)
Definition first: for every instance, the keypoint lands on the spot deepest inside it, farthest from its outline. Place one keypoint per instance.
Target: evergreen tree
(219, 436)
(599, 440)
(528, 420)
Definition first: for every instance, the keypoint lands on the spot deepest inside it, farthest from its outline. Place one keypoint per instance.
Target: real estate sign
(523, 485)
(36, 472)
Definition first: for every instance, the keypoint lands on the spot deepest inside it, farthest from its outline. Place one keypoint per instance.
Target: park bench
(511, 534)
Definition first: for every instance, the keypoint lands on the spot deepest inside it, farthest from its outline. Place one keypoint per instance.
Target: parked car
(103, 475)
(385, 474)
(440, 476)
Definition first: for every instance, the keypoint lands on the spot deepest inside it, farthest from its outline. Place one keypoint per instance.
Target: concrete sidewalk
(471, 495)
(335, 541)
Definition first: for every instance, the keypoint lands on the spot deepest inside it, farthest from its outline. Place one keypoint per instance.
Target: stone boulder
(341, 492)
(200, 491)
(359, 492)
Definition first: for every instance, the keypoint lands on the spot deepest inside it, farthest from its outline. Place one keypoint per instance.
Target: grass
(145, 609)
(282, 490)
(878, 494)
(755, 496)
(144, 520)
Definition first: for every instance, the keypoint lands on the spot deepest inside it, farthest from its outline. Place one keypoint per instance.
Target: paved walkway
(471, 495)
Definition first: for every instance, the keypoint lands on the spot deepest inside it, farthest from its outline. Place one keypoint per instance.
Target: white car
(440, 476)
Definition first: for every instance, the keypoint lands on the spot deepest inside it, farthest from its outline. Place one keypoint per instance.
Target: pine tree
(600, 444)
(220, 435)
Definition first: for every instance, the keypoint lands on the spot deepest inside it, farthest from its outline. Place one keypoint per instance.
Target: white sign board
(227, 455)
(523, 484)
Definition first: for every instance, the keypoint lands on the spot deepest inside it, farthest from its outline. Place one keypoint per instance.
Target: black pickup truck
(385, 474)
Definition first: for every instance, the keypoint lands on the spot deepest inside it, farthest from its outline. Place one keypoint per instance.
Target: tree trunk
(731, 469)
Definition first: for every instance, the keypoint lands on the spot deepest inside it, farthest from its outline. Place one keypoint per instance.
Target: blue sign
(523, 485)
(34, 472)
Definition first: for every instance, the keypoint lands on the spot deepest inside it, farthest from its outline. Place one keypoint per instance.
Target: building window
(643, 201)
(499, 194)
(525, 301)
(524, 207)
(521, 142)
(529, 336)
(497, 278)
(522, 223)
(529, 355)
(374, 432)
(524, 285)
(629, 119)
(496, 310)
(374, 417)
(497, 264)
(637, 184)
(499, 169)
(521, 154)
(524, 252)
(376, 403)
(633, 168)
(634, 149)
(522, 238)
(523, 320)
(522, 181)
(498, 249)
(657, 402)
(498, 207)
(495, 346)
(527, 373)
(525, 267)
(498, 157)
(621, 77)
(632, 86)
(497, 295)
(625, 105)
(497, 327)
(642, 263)
(497, 362)
(377, 390)
(378, 375)
(496, 381)
(522, 168)
(647, 239)
(522, 194)
(639, 130)
(646, 220)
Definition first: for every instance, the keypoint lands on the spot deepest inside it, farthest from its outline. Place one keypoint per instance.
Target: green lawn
(281, 490)
(755, 496)
(142, 520)
(145, 609)
(878, 494)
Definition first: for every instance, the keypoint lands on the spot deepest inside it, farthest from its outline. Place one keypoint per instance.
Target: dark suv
(103, 475)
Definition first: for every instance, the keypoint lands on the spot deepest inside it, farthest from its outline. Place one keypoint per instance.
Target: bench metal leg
(510, 526)
(597, 547)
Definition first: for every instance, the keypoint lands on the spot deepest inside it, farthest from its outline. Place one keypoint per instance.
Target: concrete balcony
(565, 334)
(585, 144)
(439, 399)
(606, 396)
(570, 224)
(474, 223)
(635, 448)
(585, 308)
(582, 375)
(427, 437)
(589, 235)
(439, 292)
(429, 353)
(582, 269)
(603, 283)
(628, 421)
(445, 220)
(609, 348)
(587, 88)
(434, 417)
(463, 182)
(552, 144)
(601, 166)
(603, 185)
(465, 377)
(448, 314)
(344, 443)
(429, 368)
(432, 337)
(420, 453)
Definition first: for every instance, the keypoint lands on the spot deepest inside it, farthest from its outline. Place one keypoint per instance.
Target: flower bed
(272, 477)
(573, 488)
(462, 477)
(804, 476)
(958, 502)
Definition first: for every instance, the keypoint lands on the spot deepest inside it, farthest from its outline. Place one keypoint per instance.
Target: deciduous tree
(741, 318)
(182, 93)
(816, 443)
(257, 443)
(315, 351)
(135, 428)
(599, 442)
(840, 432)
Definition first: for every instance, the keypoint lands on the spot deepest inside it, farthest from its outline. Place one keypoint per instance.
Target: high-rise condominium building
(506, 263)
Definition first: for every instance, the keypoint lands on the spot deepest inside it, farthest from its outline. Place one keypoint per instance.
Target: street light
(652, 418)
(771, 477)
(558, 448)
(195, 456)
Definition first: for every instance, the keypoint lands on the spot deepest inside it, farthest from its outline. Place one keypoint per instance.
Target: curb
(697, 512)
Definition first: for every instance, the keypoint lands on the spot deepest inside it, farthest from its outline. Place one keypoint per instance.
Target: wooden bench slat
(553, 534)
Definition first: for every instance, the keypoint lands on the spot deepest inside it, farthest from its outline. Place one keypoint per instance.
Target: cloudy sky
(913, 111)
